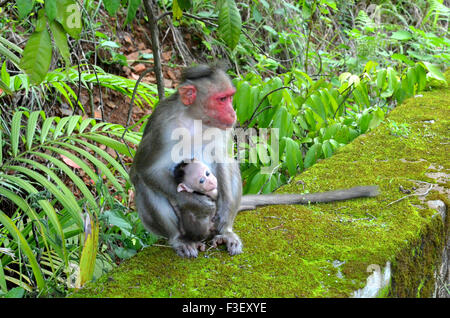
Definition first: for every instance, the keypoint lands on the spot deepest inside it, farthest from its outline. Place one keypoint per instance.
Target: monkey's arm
(228, 201)
(249, 202)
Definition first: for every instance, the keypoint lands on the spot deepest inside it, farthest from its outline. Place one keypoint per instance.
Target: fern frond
(45, 161)
(437, 10)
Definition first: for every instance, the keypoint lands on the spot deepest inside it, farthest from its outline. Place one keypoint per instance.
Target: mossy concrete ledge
(394, 245)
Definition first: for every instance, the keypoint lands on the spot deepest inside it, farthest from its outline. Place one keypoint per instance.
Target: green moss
(322, 250)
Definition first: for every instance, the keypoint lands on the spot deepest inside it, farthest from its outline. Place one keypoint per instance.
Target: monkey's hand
(232, 241)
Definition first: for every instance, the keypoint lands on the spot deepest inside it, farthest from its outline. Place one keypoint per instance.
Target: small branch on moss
(161, 245)
(413, 194)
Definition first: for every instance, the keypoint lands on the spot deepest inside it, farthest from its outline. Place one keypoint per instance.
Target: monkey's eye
(223, 99)
(207, 173)
(202, 180)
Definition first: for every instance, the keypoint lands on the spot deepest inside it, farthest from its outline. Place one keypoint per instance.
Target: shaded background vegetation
(78, 79)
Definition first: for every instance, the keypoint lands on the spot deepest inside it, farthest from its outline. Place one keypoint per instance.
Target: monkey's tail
(251, 201)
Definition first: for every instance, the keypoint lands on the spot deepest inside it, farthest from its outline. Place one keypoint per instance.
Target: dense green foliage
(322, 72)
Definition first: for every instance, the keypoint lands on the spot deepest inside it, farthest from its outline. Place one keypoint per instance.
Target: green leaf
(60, 37)
(111, 6)
(177, 11)
(401, 35)
(68, 202)
(124, 253)
(24, 7)
(46, 127)
(283, 121)
(115, 218)
(76, 159)
(434, 71)
(44, 204)
(6, 78)
(1, 150)
(242, 102)
(69, 16)
(15, 132)
(313, 154)
(51, 9)
(31, 127)
(114, 163)
(327, 149)
(317, 106)
(402, 58)
(16, 292)
(74, 120)
(185, 4)
(133, 6)
(229, 23)
(364, 121)
(114, 144)
(59, 127)
(3, 287)
(421, 77)
(381, 79)
(97, 163)
(37, 56)
(75, 179)
(257, 182)
(293, 156)
(89, 252)
(25, 247)
(5, 88)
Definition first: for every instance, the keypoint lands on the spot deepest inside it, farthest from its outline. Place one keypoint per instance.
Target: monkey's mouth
(224, 126)
(220, 124)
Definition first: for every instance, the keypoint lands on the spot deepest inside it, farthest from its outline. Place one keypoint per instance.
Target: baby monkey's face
(199, 177)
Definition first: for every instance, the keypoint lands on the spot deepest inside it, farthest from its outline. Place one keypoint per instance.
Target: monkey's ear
(188, 93)
(182, 187)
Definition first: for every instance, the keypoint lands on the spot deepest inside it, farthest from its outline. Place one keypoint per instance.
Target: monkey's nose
(211, 185)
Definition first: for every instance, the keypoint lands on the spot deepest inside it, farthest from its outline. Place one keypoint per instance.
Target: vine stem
(262, 100)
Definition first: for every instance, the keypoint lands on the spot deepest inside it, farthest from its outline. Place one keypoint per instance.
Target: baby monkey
(194, 220)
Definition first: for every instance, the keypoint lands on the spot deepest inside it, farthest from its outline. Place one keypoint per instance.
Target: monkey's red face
(219, 109)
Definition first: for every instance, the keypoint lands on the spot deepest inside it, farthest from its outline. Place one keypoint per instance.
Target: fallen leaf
(141, 46)
(127, 39)
(168, 83)
(166, 55)
(111, 104)
(171, 75)
(133, 57)
(139, 68)
(69, 162)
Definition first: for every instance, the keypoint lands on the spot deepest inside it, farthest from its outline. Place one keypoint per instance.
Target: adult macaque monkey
(205, 96)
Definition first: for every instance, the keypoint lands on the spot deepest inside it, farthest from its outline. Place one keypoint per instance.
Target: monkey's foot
(188, 249)
(232, 241)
